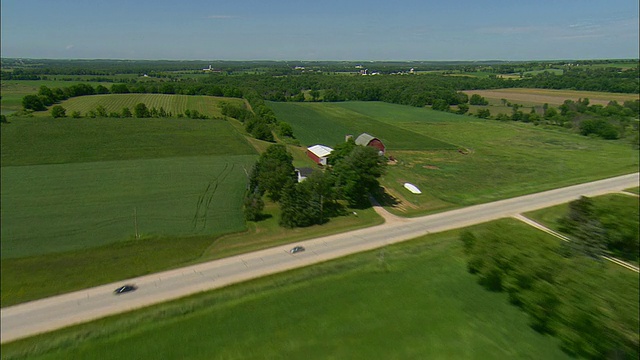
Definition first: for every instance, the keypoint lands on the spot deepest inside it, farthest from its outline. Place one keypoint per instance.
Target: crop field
(36, 141)
(497, 160)
(538, 97)
(411, 300)
(86, 205)
(176, 104)
(14, 90)
(329, 123)
(87, 181)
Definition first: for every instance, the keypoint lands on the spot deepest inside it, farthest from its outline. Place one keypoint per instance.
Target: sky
(320, 30)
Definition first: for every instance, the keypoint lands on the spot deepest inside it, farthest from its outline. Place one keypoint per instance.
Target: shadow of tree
(386, 199)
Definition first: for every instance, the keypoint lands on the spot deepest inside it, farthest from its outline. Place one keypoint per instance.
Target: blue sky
(320, 30)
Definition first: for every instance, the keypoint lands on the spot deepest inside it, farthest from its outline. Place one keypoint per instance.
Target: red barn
(367, 140)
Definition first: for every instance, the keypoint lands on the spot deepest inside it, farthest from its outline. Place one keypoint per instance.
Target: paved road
(59, 311)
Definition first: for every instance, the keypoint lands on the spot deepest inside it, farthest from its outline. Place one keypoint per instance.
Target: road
(56, 312)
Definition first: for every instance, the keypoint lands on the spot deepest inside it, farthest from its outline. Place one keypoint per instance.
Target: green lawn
(413, 300)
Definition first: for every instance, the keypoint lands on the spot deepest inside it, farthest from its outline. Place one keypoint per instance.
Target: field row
(175, 104)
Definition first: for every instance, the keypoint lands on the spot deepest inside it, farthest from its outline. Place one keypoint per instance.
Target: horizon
(354, 30)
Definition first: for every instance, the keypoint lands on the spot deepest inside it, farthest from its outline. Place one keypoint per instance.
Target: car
(296, 249)
(125, 289)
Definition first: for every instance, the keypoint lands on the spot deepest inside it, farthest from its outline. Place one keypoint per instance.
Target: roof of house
(364, 139)
(304, 171)
(320, 150)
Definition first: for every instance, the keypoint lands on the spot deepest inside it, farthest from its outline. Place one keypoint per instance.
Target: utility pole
(135, 222)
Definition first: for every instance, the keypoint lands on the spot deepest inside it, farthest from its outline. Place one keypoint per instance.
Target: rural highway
(52, 313)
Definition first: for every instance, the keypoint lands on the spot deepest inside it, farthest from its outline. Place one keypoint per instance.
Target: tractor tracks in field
(199, 220)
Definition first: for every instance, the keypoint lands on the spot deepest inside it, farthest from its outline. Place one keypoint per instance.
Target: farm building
(367, 140)
(319, 153)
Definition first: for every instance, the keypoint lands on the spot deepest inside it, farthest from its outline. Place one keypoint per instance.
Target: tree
(341, 151)
(126, 113)
(101, 89)
(273, 170)
(441, 105)
(101, 111)
(253, 206)
(3, 119)
(477, 100)
(141, 111)
(58, 111)
(483, 113)
(462, 109)
(357, 175)
(33, 102)
(284, 129)
(76, 114)
(315, 95)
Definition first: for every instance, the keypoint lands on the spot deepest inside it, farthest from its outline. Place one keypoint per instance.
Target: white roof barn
(319, 153)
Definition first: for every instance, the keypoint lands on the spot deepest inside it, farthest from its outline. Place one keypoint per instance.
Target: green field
(86, 205)
(87, 181)
(329, 123)
(176, 104)
(412, 300)
(498, 159)
(34, 141)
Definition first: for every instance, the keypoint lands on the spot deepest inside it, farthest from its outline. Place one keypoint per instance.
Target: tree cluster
(598, 230)
(352, 177)
(560, 294)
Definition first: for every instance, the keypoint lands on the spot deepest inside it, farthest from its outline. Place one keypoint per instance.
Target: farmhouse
(303, 173)
(367, 140)
(319, 153)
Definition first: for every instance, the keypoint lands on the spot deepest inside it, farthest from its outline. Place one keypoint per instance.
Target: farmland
(497, 159)
(533, 97)
(176, 104)
(115, 198)
(84, 179)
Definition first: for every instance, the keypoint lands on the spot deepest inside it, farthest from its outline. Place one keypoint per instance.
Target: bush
(58, 111)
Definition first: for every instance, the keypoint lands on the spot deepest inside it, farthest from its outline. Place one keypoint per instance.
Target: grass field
(83, 179)
(86, 205)
(14, 90)
(413, 300)
(34, 141)
(498, 159)
(329, 123)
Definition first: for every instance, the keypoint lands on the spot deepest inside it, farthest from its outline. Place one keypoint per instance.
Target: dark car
(296, 249)
(124, 289)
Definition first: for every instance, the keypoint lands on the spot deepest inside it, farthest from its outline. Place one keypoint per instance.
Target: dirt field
(530, 97)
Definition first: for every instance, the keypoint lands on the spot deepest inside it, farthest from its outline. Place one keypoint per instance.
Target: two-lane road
(59, 311)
